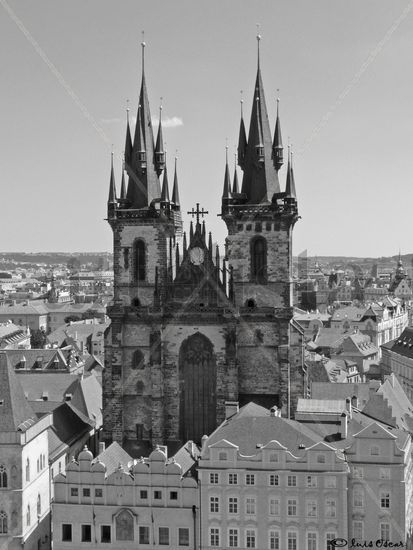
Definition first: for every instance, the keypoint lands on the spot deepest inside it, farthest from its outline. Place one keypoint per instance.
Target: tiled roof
(327, 406)
(74, 308)
(34, 384)
(87, 397)
(15, 411)
(8, 329)
(36, 358)
(350, 313)
(69, 424)
(21, 309)
(320, 390)
(330, 337)
(80, 330)
(403, 345)
(113, 456)
(56, 445)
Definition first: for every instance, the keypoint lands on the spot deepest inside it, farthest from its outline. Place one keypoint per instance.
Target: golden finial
(258, 42)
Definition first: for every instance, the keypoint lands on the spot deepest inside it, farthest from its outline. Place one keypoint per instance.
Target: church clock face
(197, 255)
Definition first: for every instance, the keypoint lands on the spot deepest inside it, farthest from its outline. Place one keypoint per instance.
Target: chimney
(349, 407)
(102, 447)
(275, 411)
(204, 440)
(343, 425)
(231, 408)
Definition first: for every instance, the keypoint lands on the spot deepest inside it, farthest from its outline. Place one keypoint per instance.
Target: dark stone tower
(191, 329)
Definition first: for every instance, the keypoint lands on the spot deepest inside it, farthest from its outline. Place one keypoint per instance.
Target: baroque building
(192, 328)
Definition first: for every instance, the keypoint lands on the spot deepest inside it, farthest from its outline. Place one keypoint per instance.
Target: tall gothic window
(3, 476)
(259, 260)
(28, 470)
(139, 255)
(39, 505)
(3, 522)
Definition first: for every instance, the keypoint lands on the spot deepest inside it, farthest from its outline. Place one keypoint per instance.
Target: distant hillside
(52, 258)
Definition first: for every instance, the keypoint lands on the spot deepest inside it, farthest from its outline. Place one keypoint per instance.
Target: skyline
(345, 96)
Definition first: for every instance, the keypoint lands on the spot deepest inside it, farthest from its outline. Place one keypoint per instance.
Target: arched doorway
(197, 384)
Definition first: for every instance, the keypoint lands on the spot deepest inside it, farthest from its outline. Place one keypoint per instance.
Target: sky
(342, 70)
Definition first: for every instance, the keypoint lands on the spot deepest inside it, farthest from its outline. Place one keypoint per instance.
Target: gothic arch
(139, 260)
(197, 385)
(258, 254)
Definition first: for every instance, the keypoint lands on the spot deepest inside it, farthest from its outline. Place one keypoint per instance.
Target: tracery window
(3, 476)
(259, 260)
(139, 255)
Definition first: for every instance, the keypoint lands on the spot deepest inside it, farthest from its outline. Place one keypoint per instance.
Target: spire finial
(143, 44)
(127, 110)
(258, 43)
(242, 102)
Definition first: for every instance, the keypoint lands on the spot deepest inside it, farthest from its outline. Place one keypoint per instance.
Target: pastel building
(114, 500)
(268, 482)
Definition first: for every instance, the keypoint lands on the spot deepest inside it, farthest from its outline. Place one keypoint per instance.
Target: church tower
(194, 327)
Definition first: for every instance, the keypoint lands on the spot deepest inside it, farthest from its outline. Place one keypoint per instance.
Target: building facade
(191, 328)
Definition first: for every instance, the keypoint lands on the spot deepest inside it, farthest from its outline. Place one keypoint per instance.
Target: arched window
(139, 256)
(139, 387)
(3, 522)
(39, 505)
(3, 476)
(137, 359)
(28, 515)
(259, 260)
(124, 525)
(27, 470)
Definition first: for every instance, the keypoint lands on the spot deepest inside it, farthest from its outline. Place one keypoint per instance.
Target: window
(138, 363)
(384, 499)
(233, 505)
(213, 478)
(143, 534)
(98, 493)
(384, 473)
(163, 535)
(3, 522)
(358, 530)
(274, 457)
(274, 480)
(214, 504)
(39, 505)
(331, 482)
(28, 515)
(292, 481)
(329, 537)
(274, 507)
(250, 505)
(86, 533)
(292, 507)
(74, 491)
(124, 523)
(214, 536)
(38, 465)
(274, 540)
(183, 536)
(311, 507)
(250, 538)
(385, 531)
(143, 494)
(86, 492)
(291, 540)
(140, 260)
(259, 260)
(66, 532)
(233, 538)
(105, 533)
(173, 495)
(222, 455)
(311, 541)
(27, 470)
(3, 476)
(374, 450)
(311, 481)
(157, 495)
(358, 497)
(321, 459)
(330, 510)
(233, 479)
(250, 479)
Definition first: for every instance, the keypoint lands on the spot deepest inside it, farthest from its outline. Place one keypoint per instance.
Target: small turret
(159, 151)
(242, 141)
(112, 188)
(140, 141)
(290, 184)
(175, 190)
(227, 179)
(128, 142)
(165, 189)
(235, 185)
(277, 146)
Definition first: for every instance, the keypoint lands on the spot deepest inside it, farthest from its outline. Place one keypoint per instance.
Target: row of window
(358, 530)
(146, 535)
(359, 498)
(358, 473)
(4, 518)
(143, 493)
(291, 508)
(274, 480)
(275, 539)
(40, 465)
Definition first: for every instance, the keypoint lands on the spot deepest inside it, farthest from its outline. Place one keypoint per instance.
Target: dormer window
(160, 158)
(142, 158)
(260, 152)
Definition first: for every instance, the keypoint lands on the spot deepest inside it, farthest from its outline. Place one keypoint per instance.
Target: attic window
(68, 397)
(45, 396)
(1, 402)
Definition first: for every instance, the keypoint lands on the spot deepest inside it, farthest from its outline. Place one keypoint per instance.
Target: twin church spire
(144, 161)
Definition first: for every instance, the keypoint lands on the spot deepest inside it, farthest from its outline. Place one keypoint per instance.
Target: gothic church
(194, 329)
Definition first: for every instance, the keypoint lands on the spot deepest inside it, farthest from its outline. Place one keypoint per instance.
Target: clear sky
(344, 71)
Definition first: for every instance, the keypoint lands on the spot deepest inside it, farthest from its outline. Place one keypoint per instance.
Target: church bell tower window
(140, 260)
(259, 260)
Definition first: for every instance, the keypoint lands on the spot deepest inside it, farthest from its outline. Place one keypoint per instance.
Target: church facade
(194, 328)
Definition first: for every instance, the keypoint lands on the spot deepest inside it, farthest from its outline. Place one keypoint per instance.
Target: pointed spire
(159, 152)
(290, 184)
(177, 257)
(128, 141)
(123, 187)
(184, 246)
(191, 231)
(165, 187)
(242, 140)
(259, 144)
(217, 256)
(235, 186)
(210, 245)
(203, 231)
(175, 191)
(112, 187)
(277, 146)
(227, 179)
